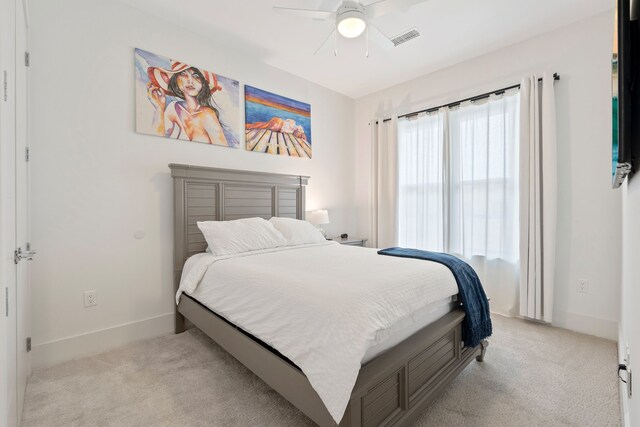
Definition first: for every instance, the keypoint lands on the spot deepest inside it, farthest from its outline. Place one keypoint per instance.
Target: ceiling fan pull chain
(366, 53)
(335, 42)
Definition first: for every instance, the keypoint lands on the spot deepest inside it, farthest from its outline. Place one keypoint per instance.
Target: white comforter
(319, 305)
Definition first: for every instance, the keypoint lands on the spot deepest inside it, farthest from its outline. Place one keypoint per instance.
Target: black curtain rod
(556, 76)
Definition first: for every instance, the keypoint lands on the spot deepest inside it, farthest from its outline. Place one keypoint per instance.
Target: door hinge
(27, 154)
(28, 344)
(27, 59)
(5, 85)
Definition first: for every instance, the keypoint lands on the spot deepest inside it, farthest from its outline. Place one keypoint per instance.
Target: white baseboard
(603, 328)
(61, 350)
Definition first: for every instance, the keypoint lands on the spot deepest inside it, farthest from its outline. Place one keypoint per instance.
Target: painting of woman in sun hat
(177, 100)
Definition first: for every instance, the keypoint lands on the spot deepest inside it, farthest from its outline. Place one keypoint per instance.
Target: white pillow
(297, 232)
(240, 235)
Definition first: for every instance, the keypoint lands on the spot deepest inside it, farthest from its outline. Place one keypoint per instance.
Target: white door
(23, 324)
(8, 414)
(14, 210)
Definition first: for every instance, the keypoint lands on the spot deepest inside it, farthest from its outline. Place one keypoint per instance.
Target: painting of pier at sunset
(276, 125)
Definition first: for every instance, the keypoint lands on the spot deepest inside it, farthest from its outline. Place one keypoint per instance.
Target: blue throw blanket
(477, 323)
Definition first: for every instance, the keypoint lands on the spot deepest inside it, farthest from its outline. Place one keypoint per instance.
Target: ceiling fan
(353, 18)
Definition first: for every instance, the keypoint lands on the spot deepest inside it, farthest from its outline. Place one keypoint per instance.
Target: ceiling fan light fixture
(351, 24)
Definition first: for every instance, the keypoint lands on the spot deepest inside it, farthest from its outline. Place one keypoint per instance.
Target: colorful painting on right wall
(276, 125)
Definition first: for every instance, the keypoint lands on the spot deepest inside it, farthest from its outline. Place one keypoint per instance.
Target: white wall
(589, 230)
(95, 181)
(630, 316)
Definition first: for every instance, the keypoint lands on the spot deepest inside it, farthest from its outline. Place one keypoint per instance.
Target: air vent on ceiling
(406, 36)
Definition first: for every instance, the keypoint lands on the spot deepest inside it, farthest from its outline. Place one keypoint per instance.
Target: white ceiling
(452, 31)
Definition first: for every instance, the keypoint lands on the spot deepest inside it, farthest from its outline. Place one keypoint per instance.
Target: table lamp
(318, 218)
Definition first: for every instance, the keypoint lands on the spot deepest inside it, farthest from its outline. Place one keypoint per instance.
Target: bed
(407, 366)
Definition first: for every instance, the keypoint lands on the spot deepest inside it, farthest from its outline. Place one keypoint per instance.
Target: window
(458, 179)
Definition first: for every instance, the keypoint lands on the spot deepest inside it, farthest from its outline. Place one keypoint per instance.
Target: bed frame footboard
(392, 389)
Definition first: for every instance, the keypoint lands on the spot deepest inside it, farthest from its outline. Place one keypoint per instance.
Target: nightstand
(350, 241)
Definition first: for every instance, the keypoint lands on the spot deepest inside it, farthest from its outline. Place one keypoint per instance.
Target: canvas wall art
(614, 99)
(276, 125)
(180, 101)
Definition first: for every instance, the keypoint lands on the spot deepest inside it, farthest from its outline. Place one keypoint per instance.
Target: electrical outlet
(90, 298)
(583, 286)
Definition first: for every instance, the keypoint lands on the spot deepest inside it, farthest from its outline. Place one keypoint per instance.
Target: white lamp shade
(319, 217)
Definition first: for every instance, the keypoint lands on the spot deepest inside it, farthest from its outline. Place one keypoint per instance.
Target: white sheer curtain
(422, 183)
(484, 194)
(384, 183)
(458, 190)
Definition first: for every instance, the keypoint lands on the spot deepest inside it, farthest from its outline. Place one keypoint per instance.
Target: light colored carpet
(533, 375)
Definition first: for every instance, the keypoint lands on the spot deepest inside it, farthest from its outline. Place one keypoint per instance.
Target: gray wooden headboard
(211, 194)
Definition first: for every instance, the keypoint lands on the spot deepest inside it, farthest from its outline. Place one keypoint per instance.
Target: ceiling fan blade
(379, 38)
(383, 7)
(307, 13)
(329, 4)
(325, 42)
